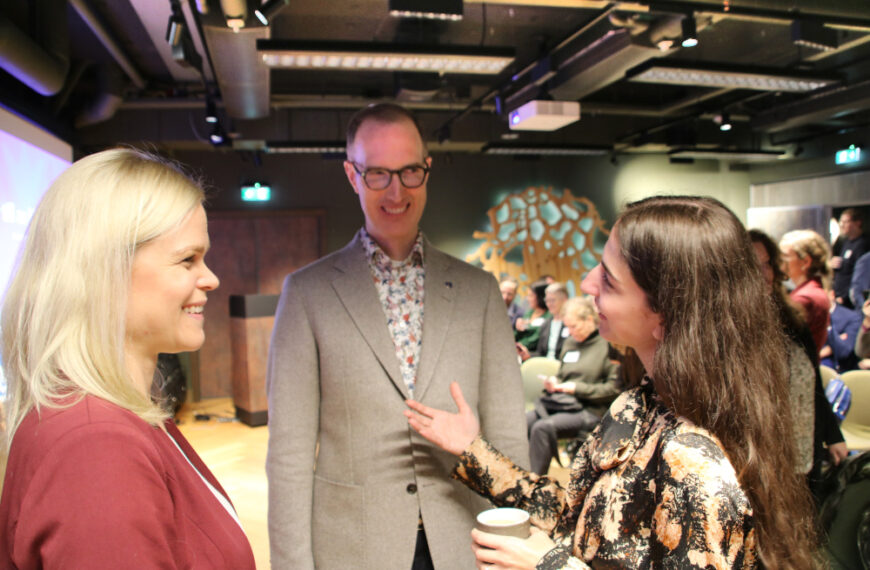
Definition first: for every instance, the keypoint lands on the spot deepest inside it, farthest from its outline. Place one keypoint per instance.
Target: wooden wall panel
(251, 252)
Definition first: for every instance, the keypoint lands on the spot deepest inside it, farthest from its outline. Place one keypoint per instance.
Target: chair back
(856, 424)
(828, 374)
(533, 386)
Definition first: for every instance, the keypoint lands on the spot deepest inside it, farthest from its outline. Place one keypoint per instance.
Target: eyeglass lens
(380, 178)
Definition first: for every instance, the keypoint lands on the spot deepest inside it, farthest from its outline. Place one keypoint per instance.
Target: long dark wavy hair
(721, 363)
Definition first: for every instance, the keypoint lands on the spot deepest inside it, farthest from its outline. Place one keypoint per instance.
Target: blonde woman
(112, 273)
(805, 259)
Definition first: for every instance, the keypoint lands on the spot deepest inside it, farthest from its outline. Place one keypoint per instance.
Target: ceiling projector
(541, 115)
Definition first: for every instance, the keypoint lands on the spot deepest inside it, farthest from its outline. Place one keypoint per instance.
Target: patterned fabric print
(802, 384)
(400, 288)
(647, 489)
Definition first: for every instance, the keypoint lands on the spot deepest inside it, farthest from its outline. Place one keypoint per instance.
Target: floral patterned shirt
(648, 489)
(400, 289)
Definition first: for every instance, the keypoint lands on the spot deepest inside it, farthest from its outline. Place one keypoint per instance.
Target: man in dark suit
(848, 249)
(387, 318)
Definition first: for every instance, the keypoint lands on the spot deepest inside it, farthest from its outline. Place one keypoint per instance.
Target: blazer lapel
(359, 296)
(440, 291)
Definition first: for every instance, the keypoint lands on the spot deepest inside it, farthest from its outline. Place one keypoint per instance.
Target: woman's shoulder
(79, 417)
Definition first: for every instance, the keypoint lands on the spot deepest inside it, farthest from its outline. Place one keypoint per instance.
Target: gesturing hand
(451, 432)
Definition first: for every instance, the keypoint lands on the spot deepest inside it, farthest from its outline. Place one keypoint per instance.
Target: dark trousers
(422, 558)
(546, 429)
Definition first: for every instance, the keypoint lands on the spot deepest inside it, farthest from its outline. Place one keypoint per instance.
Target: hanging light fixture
(690, 31)
(269, 10)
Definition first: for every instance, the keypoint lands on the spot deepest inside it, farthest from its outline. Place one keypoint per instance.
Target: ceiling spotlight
(690, 32)
(217, 136)
(210, 111)
(269, 10)
(724, 121)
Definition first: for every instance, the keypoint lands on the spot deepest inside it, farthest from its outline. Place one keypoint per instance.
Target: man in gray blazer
(387, 318)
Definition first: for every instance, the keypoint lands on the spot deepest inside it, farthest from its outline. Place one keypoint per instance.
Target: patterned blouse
(647, 489)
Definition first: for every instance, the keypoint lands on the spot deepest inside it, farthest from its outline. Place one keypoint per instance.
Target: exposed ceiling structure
(781, 73)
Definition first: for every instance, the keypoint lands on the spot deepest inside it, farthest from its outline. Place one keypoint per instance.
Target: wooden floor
(236, 454)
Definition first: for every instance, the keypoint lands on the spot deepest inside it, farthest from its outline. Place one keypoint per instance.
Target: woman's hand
(451, 432)
(508, 552)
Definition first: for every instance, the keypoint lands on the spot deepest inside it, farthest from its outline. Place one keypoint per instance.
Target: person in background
(528, 328)
(816, 429)
(862, 341)
(860, 282)
(508, 288)
(579, 394)
(553, 331)
(839, 350)
(805, 262)
(112, 273)
(695, 468)
(850, 248)
(386, 318)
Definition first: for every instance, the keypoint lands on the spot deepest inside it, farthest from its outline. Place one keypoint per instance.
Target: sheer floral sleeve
(647, 490)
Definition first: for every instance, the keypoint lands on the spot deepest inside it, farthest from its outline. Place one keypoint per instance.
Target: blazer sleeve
(501, 401)
(843, 349)
(293, 386)
(98, 500)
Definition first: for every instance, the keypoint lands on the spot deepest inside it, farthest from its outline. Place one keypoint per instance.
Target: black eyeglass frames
(411, 176)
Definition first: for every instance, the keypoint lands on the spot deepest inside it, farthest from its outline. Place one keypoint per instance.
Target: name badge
(572, 356)
(848, 254)
(538, 322)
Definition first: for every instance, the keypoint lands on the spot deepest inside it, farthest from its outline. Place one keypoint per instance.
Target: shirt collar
(378, 256)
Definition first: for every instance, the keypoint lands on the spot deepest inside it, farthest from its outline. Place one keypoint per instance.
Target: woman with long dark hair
(688, 470)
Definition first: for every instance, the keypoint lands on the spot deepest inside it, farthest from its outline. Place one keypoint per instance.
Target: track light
(690, 32)
(210, 111)
(724, 121)
(269, 9)
(235, 13)
(217, 136)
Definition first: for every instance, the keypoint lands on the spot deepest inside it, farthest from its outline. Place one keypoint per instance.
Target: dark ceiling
(101, 72)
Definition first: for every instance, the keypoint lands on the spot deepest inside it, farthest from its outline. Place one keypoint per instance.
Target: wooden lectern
(251, 321)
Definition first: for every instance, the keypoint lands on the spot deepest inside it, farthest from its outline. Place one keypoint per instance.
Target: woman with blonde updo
(805, 259)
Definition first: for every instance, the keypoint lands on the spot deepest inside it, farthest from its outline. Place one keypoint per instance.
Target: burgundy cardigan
(93, 486)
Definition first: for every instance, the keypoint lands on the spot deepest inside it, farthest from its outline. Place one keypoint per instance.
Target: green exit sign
(849, 155)
(256, 193)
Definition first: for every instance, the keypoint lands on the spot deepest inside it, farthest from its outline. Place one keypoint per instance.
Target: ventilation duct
(43, 69)
(242, 77)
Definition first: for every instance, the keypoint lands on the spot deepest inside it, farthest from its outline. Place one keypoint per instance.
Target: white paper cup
(504, 521)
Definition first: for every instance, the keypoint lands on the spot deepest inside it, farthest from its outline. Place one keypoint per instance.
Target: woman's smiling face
(625, 316)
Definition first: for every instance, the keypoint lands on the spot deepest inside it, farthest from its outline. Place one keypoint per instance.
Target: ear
(659, 331)
(351, 175)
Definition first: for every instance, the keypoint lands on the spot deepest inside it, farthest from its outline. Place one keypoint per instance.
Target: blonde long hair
(63, 317)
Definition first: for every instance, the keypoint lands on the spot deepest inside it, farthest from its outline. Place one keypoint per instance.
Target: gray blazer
(334, 380)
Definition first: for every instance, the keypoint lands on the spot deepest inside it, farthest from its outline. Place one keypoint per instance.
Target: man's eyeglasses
(412, 176)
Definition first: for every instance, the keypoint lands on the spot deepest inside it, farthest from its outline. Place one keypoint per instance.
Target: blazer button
(411, 488)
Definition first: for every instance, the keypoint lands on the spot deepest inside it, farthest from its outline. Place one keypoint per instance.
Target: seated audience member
(527, 330)
(839, 350)
(849, 248)
(862, 342)
(815, 425)
(580, 392)
(693, 469)
(508, 288)
(860, 282)
(805, 262)
(553, 331)
(112, 273)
